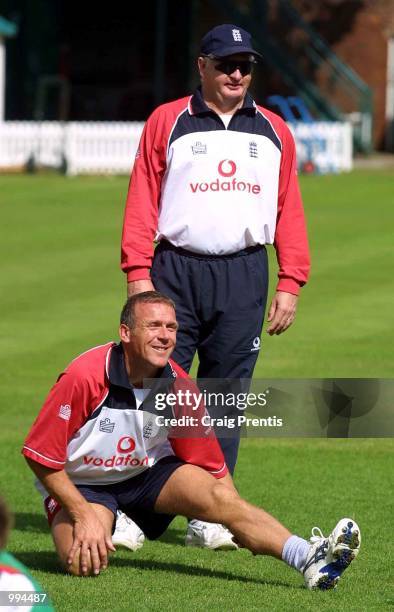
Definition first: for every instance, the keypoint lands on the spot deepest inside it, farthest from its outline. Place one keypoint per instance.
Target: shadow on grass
(34, 523)
(189, 570)
(43, 561)
(47, 561)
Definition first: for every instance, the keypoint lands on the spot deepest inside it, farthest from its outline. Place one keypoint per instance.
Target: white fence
(109, 148)
(87, 148)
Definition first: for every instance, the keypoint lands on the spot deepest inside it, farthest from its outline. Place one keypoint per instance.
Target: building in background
(7, 30)
(361, 33)
(72, 61)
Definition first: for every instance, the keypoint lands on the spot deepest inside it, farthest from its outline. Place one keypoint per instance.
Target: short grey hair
(127, 316)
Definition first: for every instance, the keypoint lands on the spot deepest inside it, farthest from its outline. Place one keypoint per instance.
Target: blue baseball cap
(227, 39)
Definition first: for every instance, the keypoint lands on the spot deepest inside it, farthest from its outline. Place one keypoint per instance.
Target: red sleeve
(142, 204)
(201, 448)
(291, 242)
(204, 452)
(65, 409)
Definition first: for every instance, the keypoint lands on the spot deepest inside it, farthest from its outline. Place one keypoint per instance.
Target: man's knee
(62, 549)
(224, 498)
(62, 535)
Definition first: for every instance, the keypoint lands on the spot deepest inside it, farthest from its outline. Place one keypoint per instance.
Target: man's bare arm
(139, 286)
(88, 533)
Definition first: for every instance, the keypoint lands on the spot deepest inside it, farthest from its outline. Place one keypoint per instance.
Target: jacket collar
(117, 372)
(198, 105)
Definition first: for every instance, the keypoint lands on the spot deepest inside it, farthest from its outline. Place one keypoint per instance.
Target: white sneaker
(127, 533)
(329, 557)
(209, 535)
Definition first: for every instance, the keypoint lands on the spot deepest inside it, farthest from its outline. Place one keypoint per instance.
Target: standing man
(214, 180)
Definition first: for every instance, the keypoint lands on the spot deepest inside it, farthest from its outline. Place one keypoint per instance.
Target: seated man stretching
(94, 451)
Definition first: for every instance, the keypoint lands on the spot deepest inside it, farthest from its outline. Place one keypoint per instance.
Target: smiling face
(150, 342)
(223, 92)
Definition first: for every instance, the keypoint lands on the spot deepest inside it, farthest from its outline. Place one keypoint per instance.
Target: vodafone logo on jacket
(227, 169)
(124, 447)
(224, 164)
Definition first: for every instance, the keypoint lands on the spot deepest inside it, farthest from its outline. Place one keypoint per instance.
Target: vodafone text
(125, 446)
(115, 461)
(233, 185)
(208, 421)
(226, 169)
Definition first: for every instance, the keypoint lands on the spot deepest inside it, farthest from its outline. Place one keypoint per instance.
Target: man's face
(151, 341)
(228, 88)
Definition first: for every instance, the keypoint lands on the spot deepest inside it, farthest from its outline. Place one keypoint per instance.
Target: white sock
(295, 552)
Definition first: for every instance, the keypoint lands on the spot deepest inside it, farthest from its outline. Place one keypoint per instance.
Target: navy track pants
(220, 304)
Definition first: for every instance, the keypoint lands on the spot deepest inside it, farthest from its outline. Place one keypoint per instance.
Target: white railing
(101, 148)
(109, 148)
(87, 148)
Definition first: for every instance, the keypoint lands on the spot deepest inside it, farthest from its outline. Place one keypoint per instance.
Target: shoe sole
(344, 552)
(326, 582)
(346, 546)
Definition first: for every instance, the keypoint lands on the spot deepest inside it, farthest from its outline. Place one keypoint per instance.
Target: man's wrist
(79, 510)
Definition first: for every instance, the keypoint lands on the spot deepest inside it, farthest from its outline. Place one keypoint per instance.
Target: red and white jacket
(215, 190)
(91, 426)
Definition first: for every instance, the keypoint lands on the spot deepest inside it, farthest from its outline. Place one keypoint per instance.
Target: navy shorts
(137, 496)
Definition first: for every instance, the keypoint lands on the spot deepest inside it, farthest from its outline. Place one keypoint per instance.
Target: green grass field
(61, 292)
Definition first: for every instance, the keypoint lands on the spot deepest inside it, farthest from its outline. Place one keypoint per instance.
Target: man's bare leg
(62, 534)
(191, 491)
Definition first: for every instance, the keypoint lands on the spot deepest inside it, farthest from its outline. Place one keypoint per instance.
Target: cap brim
(233, 51)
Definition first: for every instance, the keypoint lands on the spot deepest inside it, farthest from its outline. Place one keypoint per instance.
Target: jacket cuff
(138, 274)
(289, 285)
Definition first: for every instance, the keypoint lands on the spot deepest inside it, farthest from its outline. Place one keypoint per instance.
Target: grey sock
(295, 552)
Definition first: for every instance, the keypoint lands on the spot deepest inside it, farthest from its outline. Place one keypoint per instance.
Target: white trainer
(209, 535)
(329, 557)
(127, 533)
